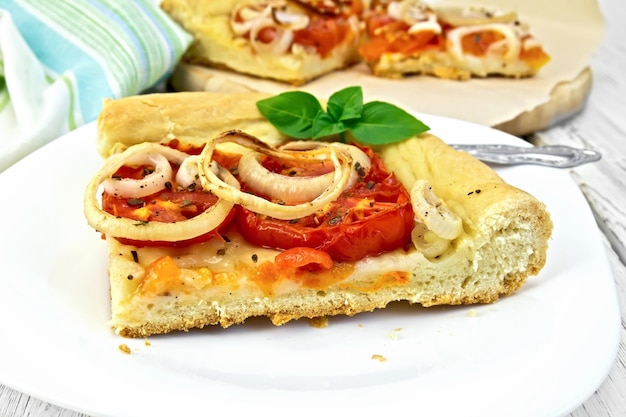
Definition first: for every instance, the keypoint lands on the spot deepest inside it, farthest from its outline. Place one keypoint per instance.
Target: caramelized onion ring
(281, 187)
(361, 162)
(341, 175)
(151, 231)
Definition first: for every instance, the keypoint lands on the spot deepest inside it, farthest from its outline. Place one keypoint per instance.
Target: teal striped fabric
(87, 50)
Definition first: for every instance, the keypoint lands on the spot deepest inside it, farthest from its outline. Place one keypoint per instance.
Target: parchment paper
(570, 31)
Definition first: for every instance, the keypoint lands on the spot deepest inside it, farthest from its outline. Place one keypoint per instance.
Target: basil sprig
(300, 115)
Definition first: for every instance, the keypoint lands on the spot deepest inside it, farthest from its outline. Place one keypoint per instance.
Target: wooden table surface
(601, 125)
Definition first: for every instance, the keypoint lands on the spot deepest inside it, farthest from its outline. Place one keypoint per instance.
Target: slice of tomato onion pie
(285, 40)
(452, 42)
(212, 216)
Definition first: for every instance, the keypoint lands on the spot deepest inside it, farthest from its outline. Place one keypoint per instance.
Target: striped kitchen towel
(59, 59)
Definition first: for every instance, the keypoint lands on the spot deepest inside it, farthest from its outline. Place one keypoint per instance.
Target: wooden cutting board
(566, 99)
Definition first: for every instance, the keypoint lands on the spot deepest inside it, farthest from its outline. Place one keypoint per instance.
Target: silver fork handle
(560, 156)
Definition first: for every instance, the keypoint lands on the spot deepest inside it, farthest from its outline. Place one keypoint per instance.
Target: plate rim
(90, 128)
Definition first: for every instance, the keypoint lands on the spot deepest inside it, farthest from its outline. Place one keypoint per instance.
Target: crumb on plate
(319, 322)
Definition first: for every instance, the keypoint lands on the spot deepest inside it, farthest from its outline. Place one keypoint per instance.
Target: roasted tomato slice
(168, 205)
(372, 217)
(387, 36)
(323, 34)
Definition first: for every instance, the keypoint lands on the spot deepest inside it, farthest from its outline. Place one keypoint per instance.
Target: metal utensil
(559, 156)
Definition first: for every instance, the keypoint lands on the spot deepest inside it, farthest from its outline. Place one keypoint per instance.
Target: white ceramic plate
(540, 352)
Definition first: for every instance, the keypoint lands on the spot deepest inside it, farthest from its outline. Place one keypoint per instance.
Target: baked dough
(504, 238)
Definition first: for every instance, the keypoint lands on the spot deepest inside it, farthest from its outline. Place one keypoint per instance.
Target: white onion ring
(410, 12)
(281, 187)
(151, 231)
(427, 242)
(290, 20)
(248, 14)
(514, 46)
(361, 162)
(147, 153)
(279, 45)
(245, 16)
(150, 184)
(188, 172)
(259, 205)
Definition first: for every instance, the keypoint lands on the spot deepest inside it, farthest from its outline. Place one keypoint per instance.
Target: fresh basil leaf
(346, 104)
(292, 112)
(300, 115)
(325, 125)
(383, 123)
